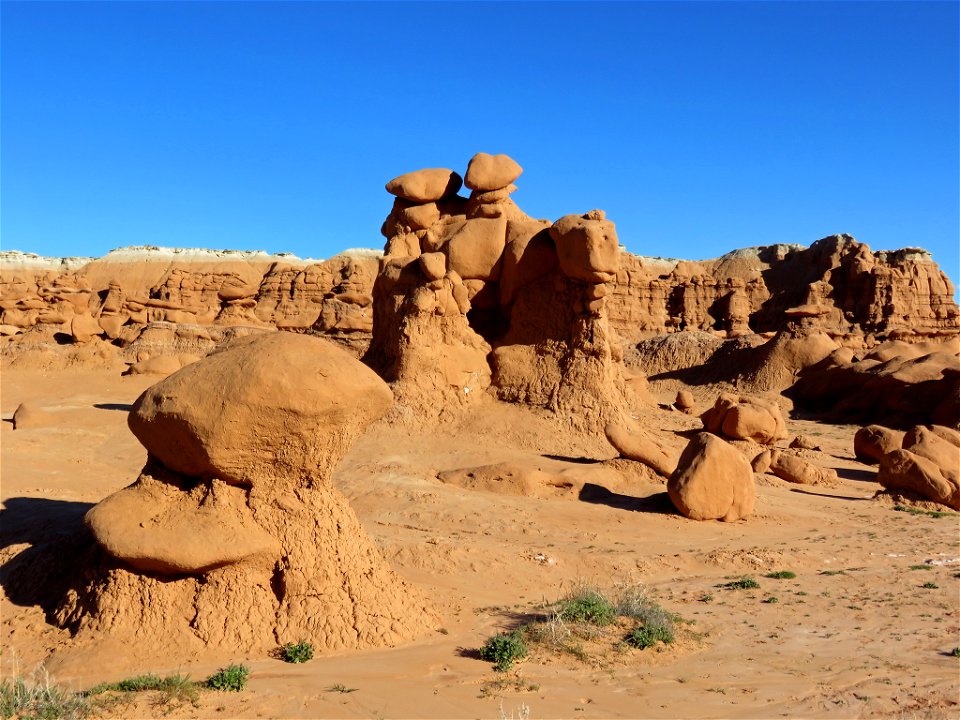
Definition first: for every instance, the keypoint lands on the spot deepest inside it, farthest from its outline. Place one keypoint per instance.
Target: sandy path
(854, 634)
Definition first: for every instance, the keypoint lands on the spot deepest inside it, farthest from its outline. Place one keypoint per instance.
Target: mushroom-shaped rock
(634, 444)
(268, 403)
(487, 172)
(587, 247)
(425, 186)
(155, 526)
(31, 415)
(872, 442)
(794, 469)
(713, 481)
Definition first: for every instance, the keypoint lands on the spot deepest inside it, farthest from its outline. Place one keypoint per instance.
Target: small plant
(744, 583)
(956, 652)
(921, 567)
(832, 572)
(917, 511)
(705, 598)
(40, 699)
(299, 652)
(341, 688)
(930, 586)
(232, 678)
(172, 688)
(646, 636)
(588, 605)
(781, 575)
(503, 650)
(771, 600)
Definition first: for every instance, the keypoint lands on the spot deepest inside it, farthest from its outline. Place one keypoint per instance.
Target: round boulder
(713, 481)
(425, 186)
(487, 172)
(270, 404)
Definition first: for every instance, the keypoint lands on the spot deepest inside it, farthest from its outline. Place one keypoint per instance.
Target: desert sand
(197, 468)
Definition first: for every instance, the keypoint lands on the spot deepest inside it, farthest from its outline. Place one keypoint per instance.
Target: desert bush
(22, 698)
(299, 652)
(232, 678)
(781, 575)
(646, 636)
(504, 649)
(744, 583)
(172, 688)
(587, 605)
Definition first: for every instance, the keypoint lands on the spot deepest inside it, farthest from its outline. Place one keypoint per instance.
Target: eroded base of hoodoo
(233, 537)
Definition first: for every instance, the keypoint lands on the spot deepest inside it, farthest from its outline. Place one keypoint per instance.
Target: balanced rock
(425, 186)
(872, 442)
(587, 247)
(265, 401)
(486, 173)
(745, 418)
(713, 481)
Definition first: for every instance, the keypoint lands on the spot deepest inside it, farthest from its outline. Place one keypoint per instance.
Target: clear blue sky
(698, 127)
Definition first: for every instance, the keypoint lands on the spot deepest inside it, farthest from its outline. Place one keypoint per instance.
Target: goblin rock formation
(925, 463)
(474, 293)
(233, 536)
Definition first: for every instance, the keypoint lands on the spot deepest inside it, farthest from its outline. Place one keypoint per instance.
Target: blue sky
(698, 127)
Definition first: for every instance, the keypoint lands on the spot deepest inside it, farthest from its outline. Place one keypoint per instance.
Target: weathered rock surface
(745, 418)
(637, 444)
(872, 442)
(233, 537)
(713, 481)
(792, 468)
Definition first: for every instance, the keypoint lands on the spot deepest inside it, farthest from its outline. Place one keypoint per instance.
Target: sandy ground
(855, 634)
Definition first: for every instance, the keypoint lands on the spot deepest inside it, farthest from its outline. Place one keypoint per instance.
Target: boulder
(635, 444)
(587, 247)
(84, 328)
(713, 481)
(433, 265)
(803, 442)
(761, 463)
(872, 442)
(425, 186)
(474, 251)
(745, 418)
(928, 444)
(486, 172)
(794, 469)
(266, 403)
(685, 402)
(903, 471)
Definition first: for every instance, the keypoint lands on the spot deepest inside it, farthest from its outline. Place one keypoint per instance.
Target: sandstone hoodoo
(233, 537)
(927, 465)
(474, 294)
(741, 417)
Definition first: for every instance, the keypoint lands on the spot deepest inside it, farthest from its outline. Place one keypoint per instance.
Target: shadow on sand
(657, 503)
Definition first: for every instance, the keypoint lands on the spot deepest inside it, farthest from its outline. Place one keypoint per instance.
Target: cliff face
(116, 297)
(854, 295)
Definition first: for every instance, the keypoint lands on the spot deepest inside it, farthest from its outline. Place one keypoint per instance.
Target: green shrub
(930, 586)
(781, 575)
(504, 649)
(645, 636)
(173, 688)
(771, 600)
(744, 583)
(22, 699)
(232, 678)
(956, 652)
(299, 652)
(588, 605)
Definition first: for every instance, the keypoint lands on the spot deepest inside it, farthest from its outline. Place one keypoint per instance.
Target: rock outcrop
(473, 294)
(233, 537)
